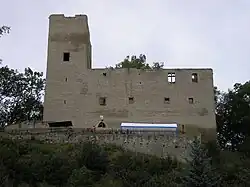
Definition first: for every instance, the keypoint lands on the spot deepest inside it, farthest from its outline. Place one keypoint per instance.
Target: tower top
(62, 16)
(68, 25)
(72, 36)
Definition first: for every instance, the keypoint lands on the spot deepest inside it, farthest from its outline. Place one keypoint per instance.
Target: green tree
(157, 65)
(138, 63)
(200, 171)
(4, 29)
(233, 116)
(20, 95)
(217, 95)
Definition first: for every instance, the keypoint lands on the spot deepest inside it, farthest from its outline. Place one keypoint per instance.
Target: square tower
(69, 55)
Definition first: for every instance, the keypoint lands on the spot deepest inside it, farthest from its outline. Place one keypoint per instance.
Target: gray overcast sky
(182, 33)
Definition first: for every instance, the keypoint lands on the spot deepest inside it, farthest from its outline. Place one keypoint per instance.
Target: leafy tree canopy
(233, 116)
(138, 63)
(4, 29)
(20, 95)
(200, 171)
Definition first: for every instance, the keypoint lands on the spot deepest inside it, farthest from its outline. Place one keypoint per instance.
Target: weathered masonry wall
(147, 96)
(80, 94)
(78, 99)
(159, 145)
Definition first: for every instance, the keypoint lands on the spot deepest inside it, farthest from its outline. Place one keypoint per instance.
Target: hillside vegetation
(33, 163)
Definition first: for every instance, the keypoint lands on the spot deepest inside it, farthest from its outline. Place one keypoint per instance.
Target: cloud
(181, 33)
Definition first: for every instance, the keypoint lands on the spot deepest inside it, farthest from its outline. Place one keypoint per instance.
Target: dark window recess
(182, 129)
(102, 101)
(104, 74)
(66, 57)
(171, 78)
(166, 100)
(131, 100)
(66, 79)
(64, 101)
(101, 125)
(194, 77)
(191, 100)
(61, 124)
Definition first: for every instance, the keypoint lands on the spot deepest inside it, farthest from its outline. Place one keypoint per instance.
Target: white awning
(149, 125)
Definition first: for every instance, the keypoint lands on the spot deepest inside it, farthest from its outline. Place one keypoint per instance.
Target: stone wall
(27, 125)
(157, 143)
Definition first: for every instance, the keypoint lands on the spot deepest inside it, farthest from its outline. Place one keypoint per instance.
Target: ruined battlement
(72, 24)
(74, 30)
(62, 16)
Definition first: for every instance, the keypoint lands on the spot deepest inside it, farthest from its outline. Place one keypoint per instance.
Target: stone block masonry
(160, 145)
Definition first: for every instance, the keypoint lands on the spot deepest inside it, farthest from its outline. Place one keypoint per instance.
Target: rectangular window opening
(61, 124)
(166, 100)
(66, 79)
(191, 100)
(194, 77)
(66, 56)
(65, 102)
(171, 78)
(102, 101)
(131, 100)
(182, 129)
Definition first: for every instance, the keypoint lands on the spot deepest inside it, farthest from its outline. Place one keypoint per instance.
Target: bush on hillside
(34, 164)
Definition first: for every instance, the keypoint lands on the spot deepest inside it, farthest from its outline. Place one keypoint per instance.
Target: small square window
(102, 101)
(66, 56)
(171, 78)
(191, 100)
(166, 100)
(131, 100)
(194, 77)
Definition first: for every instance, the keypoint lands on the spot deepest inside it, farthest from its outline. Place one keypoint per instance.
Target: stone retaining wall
(156, 143)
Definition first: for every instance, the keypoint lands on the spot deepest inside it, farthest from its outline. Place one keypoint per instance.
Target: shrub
(93, 157)
(82, 177)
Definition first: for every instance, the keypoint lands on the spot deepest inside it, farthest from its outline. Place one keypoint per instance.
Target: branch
(4, 30)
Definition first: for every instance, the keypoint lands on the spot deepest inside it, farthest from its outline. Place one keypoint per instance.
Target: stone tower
(69, 54)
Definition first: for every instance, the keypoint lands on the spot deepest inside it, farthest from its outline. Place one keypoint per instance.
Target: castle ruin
(75, 92)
